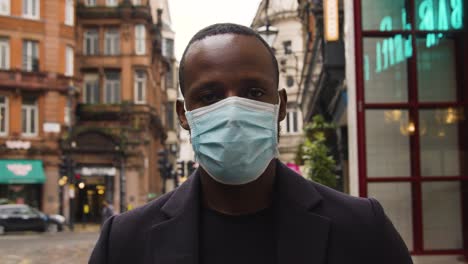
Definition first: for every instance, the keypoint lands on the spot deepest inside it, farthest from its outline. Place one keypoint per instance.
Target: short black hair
(225, 28)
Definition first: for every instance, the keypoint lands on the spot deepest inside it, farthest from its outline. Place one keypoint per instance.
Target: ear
(284, 101)
(181, 114)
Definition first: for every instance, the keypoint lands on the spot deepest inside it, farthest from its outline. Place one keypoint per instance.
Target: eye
(256, 93)
(209, 98)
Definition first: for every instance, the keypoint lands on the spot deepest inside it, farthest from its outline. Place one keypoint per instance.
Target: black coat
(316, 225)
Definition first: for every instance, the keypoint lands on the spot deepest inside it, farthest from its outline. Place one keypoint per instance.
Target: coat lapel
(176, 240)
(302, 234)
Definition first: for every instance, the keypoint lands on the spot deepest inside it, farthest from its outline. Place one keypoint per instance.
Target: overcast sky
(189, 16)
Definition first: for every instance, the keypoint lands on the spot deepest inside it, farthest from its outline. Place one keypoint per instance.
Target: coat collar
(302, 235)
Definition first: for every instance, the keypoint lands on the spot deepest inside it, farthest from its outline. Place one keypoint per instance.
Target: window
(112, 88)
(91, 93)
(3, 115)
(140, 38)
(69, 12)
(168, 48)
(90, 2)
(287, 47)
(169, 78)
(29, 116)
(136, 2)
(112, 41)
(292, 122)
(4, 7)
(140, 87)
(4, 54)
(412, 126)
(289, 81)
(31, 9)
(112, 2)
(170, 122)
(30, 56)
(69, 61)
(91, 41)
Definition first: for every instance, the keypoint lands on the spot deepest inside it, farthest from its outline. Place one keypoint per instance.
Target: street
(38, 248)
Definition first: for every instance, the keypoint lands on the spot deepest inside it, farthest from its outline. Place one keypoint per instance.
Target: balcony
(95, 112)
(33, 81)
(123, 11)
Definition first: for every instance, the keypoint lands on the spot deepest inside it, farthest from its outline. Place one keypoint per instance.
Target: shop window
(140, 39)
(112, 87)
(112, 41)
(140, 87)
(30, 56)
(4, 54)
(5, 7)
(29, 117)
(31, 9)
(91, 42)
(69, 61)
(112, 3)
(412, 118)
(4, 116)
(91, 93)
(69, 12)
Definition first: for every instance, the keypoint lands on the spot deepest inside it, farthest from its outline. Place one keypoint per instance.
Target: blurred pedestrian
(107, 211)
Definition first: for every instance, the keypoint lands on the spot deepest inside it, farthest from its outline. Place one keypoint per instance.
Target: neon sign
(431, 15)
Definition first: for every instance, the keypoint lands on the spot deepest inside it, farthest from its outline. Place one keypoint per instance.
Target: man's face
(227, 65)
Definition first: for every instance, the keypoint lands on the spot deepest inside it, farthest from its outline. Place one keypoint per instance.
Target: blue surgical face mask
(235, 139)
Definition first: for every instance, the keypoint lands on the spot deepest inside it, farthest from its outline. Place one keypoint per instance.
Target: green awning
(21, 172)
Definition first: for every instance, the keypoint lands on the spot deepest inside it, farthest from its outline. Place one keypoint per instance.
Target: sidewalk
(85, 228)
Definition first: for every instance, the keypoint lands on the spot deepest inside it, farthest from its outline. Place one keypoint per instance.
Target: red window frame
(413, 107)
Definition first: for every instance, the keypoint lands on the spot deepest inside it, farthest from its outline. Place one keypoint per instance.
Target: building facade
(289, 51)
(37, 45)
(119, 128)
(406, 105)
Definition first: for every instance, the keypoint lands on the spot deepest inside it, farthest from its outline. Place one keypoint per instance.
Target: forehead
(236, 54)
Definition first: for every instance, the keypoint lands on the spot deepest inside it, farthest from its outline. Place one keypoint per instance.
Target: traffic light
(191, 166)
(163, 163)
(181, 168)
(63, 167)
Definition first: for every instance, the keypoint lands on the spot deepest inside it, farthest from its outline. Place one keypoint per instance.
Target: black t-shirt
(237, 239)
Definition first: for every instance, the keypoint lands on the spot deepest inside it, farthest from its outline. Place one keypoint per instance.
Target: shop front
(412, 127)
(21, 182)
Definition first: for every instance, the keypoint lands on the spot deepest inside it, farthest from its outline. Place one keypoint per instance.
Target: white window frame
(112, 3)
(136, 86)
(69, 12)
(69, 61)
(5, 119)
(4, 60)
(90, 3)
(93, 80)
(5, 7)
(28, 109)
(140, 39)
(112, 42)
(114, 87)
(289, 121)
(29, 11)
(32, 48)
(91, 34)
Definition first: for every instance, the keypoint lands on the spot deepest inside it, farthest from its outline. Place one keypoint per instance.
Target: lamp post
(268, 32)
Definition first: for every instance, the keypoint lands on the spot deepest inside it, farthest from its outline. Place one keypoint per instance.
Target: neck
(239, 199)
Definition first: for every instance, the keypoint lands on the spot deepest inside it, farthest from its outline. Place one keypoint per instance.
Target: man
(107, 211)
(242, 205)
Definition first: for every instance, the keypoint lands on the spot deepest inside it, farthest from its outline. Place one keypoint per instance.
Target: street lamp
(268, 32)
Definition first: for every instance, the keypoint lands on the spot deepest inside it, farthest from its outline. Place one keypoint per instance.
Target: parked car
(21, 217)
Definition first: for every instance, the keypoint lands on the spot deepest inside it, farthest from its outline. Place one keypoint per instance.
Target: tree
(315, 154)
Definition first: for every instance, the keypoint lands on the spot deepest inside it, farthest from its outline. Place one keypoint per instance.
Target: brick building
(37, 44)
(118, 130)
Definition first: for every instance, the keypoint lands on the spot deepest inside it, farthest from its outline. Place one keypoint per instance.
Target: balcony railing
(18, 79)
